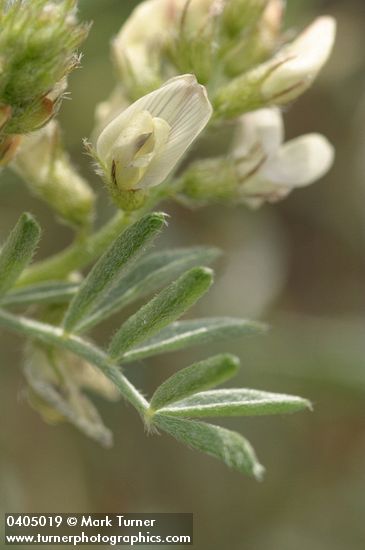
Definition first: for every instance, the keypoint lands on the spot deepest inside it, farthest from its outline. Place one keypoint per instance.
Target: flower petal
(258, 136)
(299, 63)
(184, 105)
(300, 161)
(264, 126)
(316, 41)
(257, 189)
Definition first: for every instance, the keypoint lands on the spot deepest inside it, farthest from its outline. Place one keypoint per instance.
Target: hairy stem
(56, 337)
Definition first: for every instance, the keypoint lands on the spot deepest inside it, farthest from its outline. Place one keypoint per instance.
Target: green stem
(78, 255)
(56, 337)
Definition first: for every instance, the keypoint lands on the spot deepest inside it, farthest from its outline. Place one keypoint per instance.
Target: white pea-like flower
(297, 64)
(142, 145)
(267, 168)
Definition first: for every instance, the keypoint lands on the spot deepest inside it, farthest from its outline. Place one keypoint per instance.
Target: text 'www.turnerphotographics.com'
(112, 529)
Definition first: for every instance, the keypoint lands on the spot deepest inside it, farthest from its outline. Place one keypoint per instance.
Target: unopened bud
(137, 49)
(143, 144)
(239, 15)
(257, 44)
(38, 42)
(193, 44)
(48, 172)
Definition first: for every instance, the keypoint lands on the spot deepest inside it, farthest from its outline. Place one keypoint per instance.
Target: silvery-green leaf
(18, 250)
(43, 293)
(230, 447)
(235, 402)
(200, 376)
(165, 308)
(184, 334)
(108, 268)
(148, 275)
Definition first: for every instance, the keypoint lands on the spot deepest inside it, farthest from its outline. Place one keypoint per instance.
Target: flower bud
(284, 77)
(137, 49)
(194, 43)
(140, 148)
(258, 43)
(37, 51)
(48, 172)
(239, 15)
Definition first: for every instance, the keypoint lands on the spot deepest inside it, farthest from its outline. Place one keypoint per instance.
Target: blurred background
(300, 266)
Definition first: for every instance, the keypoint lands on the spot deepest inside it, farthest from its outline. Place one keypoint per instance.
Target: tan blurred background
(300, 266)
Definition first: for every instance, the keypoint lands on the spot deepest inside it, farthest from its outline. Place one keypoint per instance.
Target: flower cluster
(236, 66)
